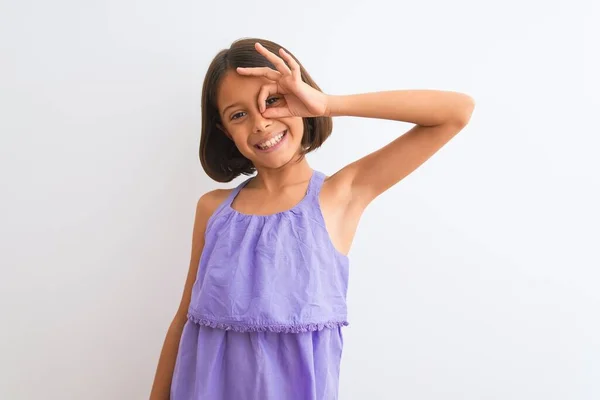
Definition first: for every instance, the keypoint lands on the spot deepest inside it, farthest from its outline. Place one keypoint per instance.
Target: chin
(275, 162)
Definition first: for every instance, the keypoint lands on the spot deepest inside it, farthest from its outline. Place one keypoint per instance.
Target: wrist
(331, 110)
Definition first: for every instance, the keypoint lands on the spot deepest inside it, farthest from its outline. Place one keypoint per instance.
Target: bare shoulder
(210, 201)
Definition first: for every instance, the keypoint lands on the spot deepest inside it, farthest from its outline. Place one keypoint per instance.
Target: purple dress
(267, 308)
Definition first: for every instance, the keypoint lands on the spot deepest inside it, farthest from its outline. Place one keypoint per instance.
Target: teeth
(271, 142)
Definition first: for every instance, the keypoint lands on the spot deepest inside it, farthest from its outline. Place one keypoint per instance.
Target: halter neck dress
(267, 307)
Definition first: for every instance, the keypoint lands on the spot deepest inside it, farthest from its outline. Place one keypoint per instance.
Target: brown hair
(219, 156)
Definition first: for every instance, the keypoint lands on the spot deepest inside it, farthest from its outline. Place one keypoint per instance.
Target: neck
(274, 179)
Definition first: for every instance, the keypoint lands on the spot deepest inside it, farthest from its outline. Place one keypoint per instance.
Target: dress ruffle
(279, 328)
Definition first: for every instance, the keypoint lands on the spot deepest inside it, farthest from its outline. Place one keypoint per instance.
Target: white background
(476, 277)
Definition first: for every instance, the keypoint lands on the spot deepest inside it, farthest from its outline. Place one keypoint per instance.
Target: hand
(301, 99)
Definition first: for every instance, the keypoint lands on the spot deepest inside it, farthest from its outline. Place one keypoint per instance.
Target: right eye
(234, 115)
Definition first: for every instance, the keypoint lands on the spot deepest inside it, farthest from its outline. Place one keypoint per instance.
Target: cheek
(297, 126)
(238, 134)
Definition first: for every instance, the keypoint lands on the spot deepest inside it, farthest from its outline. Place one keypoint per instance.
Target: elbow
(466, 110)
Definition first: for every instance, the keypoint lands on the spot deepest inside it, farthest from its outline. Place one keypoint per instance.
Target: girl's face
(237, 102)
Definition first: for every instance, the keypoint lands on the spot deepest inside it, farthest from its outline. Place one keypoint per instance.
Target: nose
(261, 123)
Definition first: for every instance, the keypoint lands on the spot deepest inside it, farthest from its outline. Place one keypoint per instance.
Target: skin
(280, 183)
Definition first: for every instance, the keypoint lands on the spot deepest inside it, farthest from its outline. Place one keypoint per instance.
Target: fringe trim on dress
(279, 328)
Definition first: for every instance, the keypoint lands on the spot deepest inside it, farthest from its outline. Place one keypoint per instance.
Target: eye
(233, 116)
(272, 98)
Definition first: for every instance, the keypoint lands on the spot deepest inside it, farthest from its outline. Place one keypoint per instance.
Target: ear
(222, 129)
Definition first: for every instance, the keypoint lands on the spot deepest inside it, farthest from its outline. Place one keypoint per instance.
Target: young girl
(264, 302)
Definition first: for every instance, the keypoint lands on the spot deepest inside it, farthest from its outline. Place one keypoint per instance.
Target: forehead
(235, 88)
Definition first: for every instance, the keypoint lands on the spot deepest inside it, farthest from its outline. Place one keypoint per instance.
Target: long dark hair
(219, 156)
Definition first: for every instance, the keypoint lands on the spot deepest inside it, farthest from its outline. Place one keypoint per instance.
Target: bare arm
(439, 115)
(164, 372)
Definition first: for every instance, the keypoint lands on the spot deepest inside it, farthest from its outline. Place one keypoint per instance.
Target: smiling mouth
(272, 143)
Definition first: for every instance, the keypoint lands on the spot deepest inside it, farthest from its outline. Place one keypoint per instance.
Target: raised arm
(438, 115)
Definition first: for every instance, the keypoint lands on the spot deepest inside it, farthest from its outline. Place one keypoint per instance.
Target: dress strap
(312, 192)
(314, 186)
(235, 192)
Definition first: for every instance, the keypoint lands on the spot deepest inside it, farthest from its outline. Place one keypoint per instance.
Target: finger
(294, 66)
(276, 61)
(264, 93)
(277, 112)
(267, 72)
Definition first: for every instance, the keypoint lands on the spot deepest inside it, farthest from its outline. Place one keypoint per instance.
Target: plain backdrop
(476, 277)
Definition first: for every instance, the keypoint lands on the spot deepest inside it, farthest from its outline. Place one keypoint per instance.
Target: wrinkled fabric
(267, 307)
